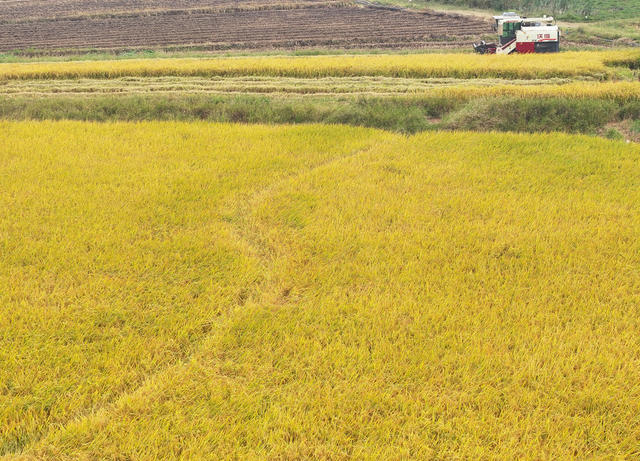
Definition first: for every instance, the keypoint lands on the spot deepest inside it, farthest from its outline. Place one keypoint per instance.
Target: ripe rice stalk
(570, 64)
(220, 291)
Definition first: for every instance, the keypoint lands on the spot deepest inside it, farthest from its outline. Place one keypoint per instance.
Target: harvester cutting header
(522, 35)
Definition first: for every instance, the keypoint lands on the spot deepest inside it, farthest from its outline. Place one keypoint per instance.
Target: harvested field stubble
(179, 290)
(251, 84)
(454, 89)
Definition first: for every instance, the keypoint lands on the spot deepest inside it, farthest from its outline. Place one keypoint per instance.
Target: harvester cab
(522, 35)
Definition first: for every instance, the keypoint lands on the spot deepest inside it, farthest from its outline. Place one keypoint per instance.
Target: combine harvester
(522, 35)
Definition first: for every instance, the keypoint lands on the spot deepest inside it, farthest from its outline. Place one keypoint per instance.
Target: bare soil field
(21, 10)
(216, 25)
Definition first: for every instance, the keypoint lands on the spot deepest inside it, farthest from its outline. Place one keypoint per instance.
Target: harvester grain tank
(522, 35)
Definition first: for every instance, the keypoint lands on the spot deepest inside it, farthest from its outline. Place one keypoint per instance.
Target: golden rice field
(456, 65)
(217, 291)
(617, 91)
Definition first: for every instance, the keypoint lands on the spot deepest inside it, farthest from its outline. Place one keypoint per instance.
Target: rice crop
(570, 64)
(617, 91)
(192, 290)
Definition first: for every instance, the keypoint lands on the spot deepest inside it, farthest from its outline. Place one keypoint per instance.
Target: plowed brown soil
(223, 24)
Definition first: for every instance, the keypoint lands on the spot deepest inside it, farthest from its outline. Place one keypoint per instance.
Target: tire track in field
(243, 227)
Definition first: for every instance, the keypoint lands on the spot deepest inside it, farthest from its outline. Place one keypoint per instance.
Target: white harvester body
(522, 35)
